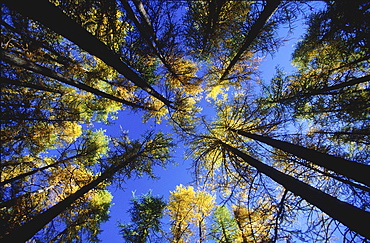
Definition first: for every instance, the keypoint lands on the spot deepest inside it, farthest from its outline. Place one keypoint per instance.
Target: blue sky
(173, 175)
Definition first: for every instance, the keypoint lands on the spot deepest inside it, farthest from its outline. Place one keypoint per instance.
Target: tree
(83, 223)
(356, 171)
(52, 17)
(268, 10)
(328, 204)
(146, 213)
(13, 59)
(137, 157)
(332, 70)
(188, 207)
(224, 226)
(92, 147)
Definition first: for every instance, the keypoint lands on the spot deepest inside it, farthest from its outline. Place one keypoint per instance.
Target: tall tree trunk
(54, 18)
(356, 171)
(28, 85)
(325, 90)
(256, 29)
(214, 8)
(17, 61)
(27, 230)
(349, 215)
(18, 177)
(146, 30)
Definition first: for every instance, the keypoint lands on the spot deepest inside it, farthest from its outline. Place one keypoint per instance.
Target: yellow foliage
(70, 131)
(157, 110)
(67, 181)
(188, 207)
(182, 77)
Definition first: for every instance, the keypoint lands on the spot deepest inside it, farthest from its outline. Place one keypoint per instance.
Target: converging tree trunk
(146, 30)
(54, 18)
(325, 90)
(267, 12)
(27, 230)
(356, 171)
(347, 214)
(17, 61)
(21, 176)
(28, 85)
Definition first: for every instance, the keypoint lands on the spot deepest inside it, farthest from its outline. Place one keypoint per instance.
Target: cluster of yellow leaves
(67, 181)
(23, 164)
(188, 207)
(157, 110)
(253, 223)
(182, 77)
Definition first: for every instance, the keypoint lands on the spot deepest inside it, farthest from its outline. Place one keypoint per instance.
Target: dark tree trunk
(27, 230)
(356, 171)
(17, 61)
(28, 85)
(349, 215)
(18, 177)
(146, 30)
(54, 18)
(256, 29)
(325, 90)
(215, 7)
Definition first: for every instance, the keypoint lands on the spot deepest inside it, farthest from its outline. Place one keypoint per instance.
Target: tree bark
(54, 18)
(27, 230)
(146, 30)
(18, 177)
(349, 215)
(28, 85)
(356, 171)
(267, 12)
(17, 61)
(325, 90)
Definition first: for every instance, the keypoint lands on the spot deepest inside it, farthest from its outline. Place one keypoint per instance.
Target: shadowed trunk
(54, 18)
(18, 177)
(28, 85)
(349, 215)
(325, 90)
(256, 29)
(17, 61)
(356, 171)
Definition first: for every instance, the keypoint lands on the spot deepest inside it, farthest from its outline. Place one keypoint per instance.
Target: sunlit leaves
(188, 207)
(224, 227)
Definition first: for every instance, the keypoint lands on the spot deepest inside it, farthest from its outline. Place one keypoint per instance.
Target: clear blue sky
(173, 175)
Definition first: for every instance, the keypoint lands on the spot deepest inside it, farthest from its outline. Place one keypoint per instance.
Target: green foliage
(224, 227)
(179, 63)
(146, 212)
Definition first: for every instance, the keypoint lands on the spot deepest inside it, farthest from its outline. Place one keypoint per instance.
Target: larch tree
(127, 160)
(188, 210)
(276, 152)
(84, 40)
(146, 213)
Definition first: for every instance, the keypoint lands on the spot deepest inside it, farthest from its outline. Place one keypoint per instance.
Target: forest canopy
(274, 160)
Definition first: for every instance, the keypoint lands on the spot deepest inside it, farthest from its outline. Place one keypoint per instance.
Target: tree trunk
(28, 85)
(349, 215)
(18, 177)
(30, 228)
(17, 61)
(146, 30)
(325, 90)
(356, 171)
(267, 12)
(54, 18)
